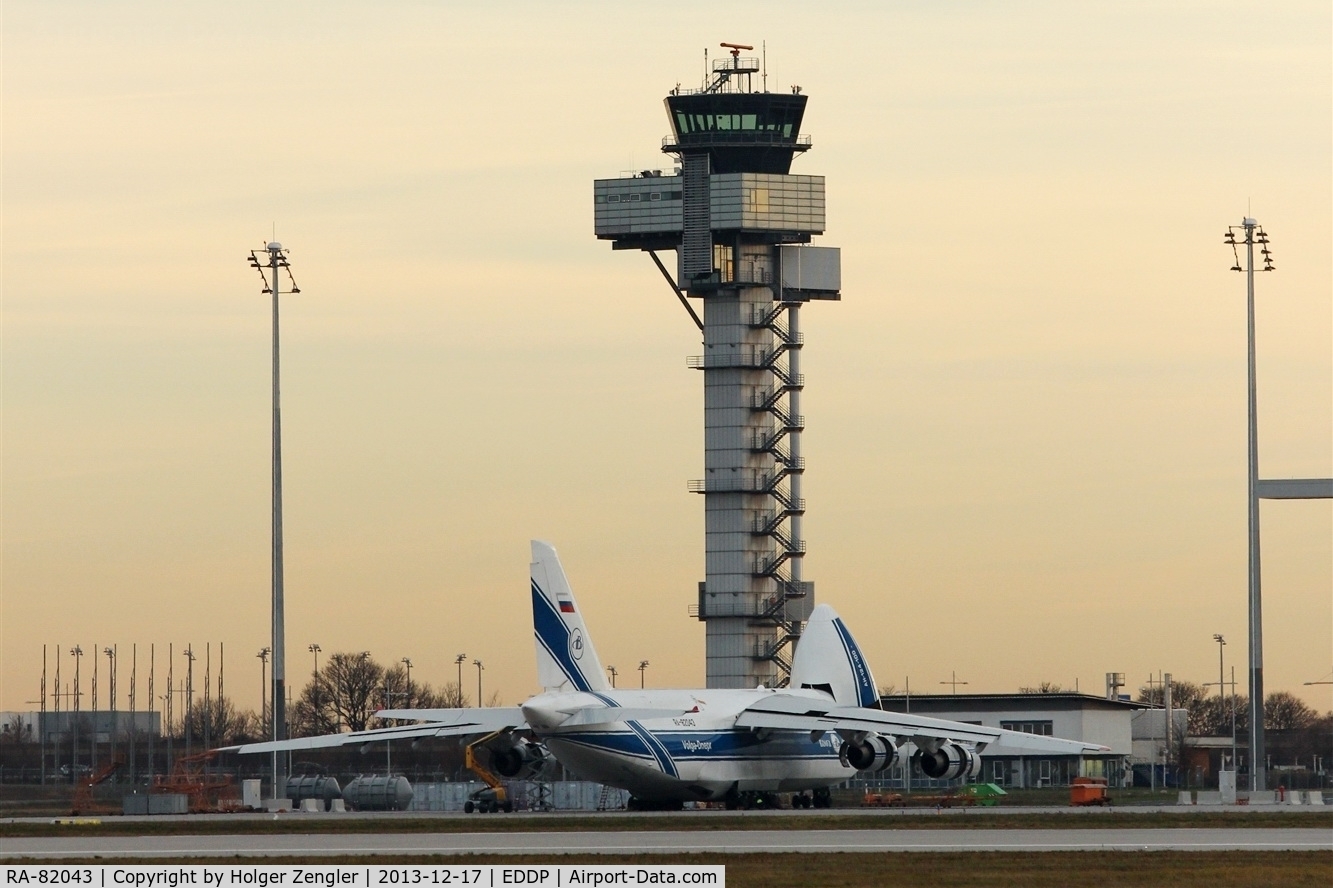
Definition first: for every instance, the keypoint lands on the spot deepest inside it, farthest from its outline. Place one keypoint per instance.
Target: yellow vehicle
(494, 797)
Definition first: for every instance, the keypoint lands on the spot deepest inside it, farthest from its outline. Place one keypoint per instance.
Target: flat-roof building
(1072, 716)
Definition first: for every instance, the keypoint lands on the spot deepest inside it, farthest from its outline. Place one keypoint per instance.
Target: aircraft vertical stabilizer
(566, 660)
(828, 659)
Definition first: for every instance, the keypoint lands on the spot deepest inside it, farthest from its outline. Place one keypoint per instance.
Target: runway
(669, 842)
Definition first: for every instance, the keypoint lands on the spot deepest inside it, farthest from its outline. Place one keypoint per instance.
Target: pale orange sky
(1026, 418)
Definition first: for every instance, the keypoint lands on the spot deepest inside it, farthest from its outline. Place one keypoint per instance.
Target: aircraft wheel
(508, 806)
(468, 807)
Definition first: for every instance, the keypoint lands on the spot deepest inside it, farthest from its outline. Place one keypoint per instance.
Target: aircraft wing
(440, 723)
(793, 712)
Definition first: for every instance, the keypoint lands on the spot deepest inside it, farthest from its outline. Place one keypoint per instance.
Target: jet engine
(949, 761)
(871, 754)
(522, 760)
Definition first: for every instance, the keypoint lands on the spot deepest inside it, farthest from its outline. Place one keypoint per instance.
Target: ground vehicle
(494, 797)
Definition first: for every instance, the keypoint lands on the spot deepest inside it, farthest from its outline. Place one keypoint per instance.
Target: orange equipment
(882, 800)
(82, 801)
(207, 792)
(1085, 791)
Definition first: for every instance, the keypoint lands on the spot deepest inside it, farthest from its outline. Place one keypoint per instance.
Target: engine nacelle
(950, 761)
(871, 754)
(523, 759)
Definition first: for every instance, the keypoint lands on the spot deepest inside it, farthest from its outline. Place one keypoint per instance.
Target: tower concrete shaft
(739, 222)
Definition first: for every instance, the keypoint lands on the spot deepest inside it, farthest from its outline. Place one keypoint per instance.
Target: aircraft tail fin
(828, 659)
(566, 660)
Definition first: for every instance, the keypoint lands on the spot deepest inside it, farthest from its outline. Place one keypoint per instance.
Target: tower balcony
(753, 482)
(750, 359)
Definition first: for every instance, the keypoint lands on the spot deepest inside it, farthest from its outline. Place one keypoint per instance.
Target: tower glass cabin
(740, 223)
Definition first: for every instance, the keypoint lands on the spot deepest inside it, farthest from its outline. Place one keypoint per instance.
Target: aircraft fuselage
(697, 755)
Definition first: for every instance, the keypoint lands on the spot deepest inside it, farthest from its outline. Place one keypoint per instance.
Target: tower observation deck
(740, 224)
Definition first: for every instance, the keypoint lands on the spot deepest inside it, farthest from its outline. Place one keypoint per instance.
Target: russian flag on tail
(566, 603)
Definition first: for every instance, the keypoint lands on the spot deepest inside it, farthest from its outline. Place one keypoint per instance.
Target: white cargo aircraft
(670, 746)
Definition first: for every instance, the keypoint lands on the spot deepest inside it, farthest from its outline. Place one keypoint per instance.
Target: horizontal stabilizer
(605, 715)
(456, 722)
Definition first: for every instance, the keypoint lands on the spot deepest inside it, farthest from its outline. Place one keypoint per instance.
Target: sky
(1026, 419)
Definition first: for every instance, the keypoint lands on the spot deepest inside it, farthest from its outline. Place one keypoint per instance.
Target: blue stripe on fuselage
(650, 742)
(694, 746)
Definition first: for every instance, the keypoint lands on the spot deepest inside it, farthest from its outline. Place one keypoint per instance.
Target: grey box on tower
(739, 223)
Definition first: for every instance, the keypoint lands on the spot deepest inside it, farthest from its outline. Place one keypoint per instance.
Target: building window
(722, 262)
(1029, 727)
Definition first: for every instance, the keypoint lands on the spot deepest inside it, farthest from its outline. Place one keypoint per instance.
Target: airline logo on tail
(866, 693)
(566, 659)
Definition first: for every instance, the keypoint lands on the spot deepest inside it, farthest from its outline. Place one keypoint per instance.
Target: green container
(987, 794)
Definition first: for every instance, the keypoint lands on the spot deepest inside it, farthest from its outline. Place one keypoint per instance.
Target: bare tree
(396, 693)
(451, 696)
(313, 712)
(224, 722)
(1284, 711)
(1211, 716)
(344, 695)
(1046, 687)
(1184, 695)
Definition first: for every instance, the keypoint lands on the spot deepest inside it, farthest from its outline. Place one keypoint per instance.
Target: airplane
(667, 747)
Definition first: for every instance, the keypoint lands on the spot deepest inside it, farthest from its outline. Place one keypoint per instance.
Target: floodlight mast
(1252, 233)
(274, 258)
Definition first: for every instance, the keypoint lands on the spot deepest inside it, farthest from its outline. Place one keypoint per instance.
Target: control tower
(739, 223)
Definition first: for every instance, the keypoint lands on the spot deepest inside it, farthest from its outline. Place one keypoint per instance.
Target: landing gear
(751, 801)
(819, 798)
